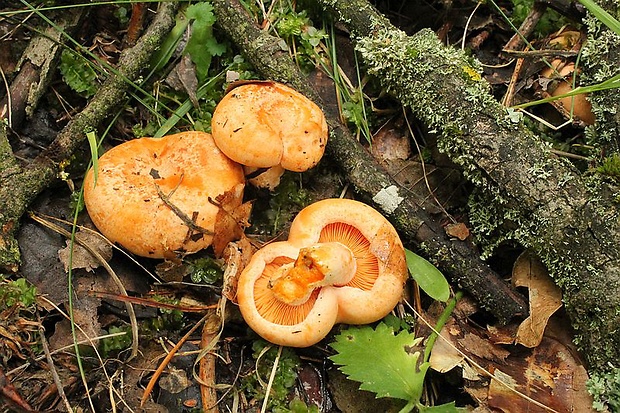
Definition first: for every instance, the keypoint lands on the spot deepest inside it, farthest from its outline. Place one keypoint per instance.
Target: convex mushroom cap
(343, 263)
(269, 125)
(152, 195)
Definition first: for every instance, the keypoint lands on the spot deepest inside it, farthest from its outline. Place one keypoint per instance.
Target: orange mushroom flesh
(269, 125)
(316, 266)
(296, 292)
(152, 195)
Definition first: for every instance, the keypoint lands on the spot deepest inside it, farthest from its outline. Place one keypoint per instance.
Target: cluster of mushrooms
(343, 261)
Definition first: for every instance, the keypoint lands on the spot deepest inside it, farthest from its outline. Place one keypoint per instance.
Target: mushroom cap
(563, 72)
(187, 168)
(264, 124)
(373, 291)
(286, 325)
(382, 268)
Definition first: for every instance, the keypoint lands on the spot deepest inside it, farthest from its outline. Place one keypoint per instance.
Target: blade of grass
(188, 105)
(94, 153)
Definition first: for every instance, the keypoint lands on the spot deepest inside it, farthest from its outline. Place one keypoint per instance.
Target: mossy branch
(572, 222)
(371, 182)
(19, 185)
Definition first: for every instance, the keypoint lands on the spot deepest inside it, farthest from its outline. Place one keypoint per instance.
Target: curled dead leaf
(81, 257)
(544, 296)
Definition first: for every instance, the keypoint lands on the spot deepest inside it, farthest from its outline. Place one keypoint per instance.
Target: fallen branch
(525, 192)
(371, 182)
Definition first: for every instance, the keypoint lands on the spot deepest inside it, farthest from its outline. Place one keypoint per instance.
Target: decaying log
(20, 184)
(600, 61)
(36, 68)
(571, 221)
(455, 258)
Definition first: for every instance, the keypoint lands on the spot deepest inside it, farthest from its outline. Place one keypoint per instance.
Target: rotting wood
(524, 192)
(37, 67)
(20, 184)
(458, 259)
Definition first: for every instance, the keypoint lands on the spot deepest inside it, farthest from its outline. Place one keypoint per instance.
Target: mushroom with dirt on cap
(155, 197)
(268, 125)
(343, 263)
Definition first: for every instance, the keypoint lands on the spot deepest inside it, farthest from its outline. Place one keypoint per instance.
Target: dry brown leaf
(391, 143)
(548, 375)
(236, 255)
(445, 357)
(81, 257)
(544, 296)
(458, 230)
(483, 348)
(230, 222)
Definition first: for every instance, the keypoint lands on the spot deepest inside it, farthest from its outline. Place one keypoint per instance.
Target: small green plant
(300, 34)
(205, 271)
(389, 360)
(16, 292)
(386, 363)
(610, 167)
(283, 381)
(78, 74)
(605, 388)
(202, 45)
(117, 343)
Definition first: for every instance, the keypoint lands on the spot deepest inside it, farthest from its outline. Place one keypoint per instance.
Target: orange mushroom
(269, 125)
(152, 195)
(343, 263)
(562, 73)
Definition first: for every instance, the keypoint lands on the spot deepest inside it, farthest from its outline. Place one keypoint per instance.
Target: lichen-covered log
(20, 184)
(542, 201)
(456, 258)
(601, 61)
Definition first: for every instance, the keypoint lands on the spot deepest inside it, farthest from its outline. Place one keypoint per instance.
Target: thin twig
(52, 367)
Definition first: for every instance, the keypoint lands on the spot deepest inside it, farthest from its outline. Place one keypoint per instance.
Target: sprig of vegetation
(283, 382)
(605, 388)
(78, 74)
(16, 292)
(428, 277)
(389, 361)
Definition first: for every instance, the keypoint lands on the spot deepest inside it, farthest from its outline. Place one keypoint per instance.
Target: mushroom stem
(330, 263)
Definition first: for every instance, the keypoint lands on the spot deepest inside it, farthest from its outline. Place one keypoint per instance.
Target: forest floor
(66, 334)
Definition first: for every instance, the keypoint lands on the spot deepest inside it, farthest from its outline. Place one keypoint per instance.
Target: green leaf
(94, 153)
(428, 277)
(78, 73)
(166, 51)
(383, 362)
(202, 45)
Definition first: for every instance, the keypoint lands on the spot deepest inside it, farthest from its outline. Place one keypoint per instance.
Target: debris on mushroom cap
(266, 124)
(286, 283)
(152, 196)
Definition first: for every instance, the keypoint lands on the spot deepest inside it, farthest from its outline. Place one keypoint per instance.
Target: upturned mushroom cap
(149, 192)
(292, 292)
(277, 322)
(377, 286)
(266, 124)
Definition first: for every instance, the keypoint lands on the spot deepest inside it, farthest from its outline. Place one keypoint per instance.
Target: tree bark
(600, 61)
(19, 184)
(571, 221)
(456, 258)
